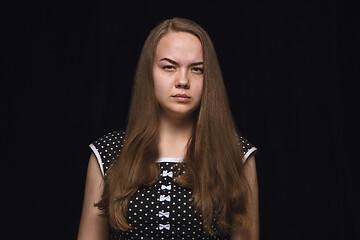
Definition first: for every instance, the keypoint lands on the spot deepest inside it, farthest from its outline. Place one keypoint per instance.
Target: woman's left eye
(198, 70)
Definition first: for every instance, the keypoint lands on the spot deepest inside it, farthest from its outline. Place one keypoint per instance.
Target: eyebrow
(175, 63)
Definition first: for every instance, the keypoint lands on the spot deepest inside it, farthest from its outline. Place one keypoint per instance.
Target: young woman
(180, 170)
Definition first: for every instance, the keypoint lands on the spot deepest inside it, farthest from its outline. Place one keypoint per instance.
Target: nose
(182, 81)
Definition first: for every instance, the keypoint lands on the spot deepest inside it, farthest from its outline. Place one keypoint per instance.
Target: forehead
(180, 46)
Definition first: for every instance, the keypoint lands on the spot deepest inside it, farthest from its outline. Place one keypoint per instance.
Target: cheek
(157, 83)
(158, 91)
(199, 89)
(161, 89)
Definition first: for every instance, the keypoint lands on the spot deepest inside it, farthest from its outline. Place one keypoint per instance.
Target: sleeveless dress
(163, 210)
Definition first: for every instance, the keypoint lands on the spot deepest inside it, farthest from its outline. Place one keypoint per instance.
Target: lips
(181, 95)
(181, 98)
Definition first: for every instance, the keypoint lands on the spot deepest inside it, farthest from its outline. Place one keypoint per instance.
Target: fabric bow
(166, 173)
(165, 187)
(162, 226)
(164, 198)
(164, 214)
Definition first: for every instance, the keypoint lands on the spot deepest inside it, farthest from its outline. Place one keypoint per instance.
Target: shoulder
(247, 148)
(107, 148)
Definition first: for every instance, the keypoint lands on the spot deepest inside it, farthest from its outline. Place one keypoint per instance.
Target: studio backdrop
(69, 79)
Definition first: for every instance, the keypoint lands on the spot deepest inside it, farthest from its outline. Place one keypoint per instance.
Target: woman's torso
(163, 210)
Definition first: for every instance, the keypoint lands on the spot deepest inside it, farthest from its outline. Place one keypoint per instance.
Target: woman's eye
(198, 70)
(168, 67)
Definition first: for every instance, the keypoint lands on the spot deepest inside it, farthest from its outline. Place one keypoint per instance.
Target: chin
(181, 113)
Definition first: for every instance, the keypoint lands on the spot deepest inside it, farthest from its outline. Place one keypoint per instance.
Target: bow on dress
(166, 173)
(165, 187)
(164, 214)
(162, 226)
(164, 198)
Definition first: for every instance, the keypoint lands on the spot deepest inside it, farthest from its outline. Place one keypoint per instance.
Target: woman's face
(178, 73)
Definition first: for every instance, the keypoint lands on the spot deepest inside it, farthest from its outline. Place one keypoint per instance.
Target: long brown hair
(213, 160)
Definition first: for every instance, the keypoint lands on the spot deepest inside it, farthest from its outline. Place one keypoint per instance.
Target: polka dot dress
(163, 210)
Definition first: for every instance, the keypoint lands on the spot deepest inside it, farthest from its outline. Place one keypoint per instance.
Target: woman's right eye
(168, 67)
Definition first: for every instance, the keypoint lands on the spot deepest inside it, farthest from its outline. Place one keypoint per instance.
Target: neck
(176, 126)
(174, 134)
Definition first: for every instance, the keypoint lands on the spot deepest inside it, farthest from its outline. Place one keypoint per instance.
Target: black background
(286, 66)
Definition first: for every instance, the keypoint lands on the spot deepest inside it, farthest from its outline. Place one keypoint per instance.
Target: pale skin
(177, 69)
(92, 226)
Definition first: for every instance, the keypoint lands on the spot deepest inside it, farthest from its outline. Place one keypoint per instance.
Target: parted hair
(213, 161)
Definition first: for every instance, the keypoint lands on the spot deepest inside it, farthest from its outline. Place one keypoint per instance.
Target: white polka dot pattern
(109, 147)
(160, 211)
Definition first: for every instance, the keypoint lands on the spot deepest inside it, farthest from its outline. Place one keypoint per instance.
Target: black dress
(163, 210)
